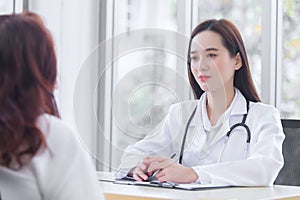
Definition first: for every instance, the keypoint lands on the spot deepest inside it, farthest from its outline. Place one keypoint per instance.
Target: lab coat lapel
(192, 130)
(195, 135)
(240, 104)
(198, 126)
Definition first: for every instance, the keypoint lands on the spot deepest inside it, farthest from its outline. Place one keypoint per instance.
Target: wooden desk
(132, 192)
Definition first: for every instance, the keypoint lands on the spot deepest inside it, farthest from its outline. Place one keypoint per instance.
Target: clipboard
(156, 183)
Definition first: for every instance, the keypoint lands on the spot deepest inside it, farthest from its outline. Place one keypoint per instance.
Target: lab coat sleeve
(265, 159)
(158, 142)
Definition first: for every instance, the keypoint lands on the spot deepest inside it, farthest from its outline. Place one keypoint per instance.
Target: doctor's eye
(194, 58)
(211, 55)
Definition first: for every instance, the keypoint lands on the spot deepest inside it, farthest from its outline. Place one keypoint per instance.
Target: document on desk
(190, 186)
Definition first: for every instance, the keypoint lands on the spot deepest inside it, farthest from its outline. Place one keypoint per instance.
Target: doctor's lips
(203, 78)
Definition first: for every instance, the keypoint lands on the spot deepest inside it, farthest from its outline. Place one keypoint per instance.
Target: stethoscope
(241, 124)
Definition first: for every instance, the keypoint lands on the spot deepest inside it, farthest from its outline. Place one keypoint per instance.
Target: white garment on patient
(62, 171)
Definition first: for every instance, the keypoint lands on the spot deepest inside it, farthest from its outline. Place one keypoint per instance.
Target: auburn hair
(27, 81)
(233, 42)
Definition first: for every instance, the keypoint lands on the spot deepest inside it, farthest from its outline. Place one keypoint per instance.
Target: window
(8, 7)
(290, 73)
(149, 73)
(139, 101)
(146, 55)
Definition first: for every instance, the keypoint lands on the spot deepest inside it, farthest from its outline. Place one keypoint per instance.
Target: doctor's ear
(238, 61)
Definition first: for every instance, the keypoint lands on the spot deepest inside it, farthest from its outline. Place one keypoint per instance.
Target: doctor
(225, 136)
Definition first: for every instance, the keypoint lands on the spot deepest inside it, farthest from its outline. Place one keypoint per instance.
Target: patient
(40, 157)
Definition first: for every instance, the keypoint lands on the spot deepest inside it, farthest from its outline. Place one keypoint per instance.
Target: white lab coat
(259, 167)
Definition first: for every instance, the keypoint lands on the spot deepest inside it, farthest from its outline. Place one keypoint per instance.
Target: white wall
(73, 24)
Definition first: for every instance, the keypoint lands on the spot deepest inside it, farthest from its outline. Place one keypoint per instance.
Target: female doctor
(225, 136)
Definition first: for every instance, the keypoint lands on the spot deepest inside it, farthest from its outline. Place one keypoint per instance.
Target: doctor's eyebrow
(208, 49)
(211, 49)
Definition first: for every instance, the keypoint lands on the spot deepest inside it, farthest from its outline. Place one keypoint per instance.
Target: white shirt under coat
(204, 143)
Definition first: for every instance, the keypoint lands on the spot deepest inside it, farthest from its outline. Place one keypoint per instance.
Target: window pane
(290, 95)
(145, 75)
(6, 7)
(247, 16)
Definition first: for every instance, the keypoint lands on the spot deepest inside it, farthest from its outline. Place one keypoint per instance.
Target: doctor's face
(211, 64)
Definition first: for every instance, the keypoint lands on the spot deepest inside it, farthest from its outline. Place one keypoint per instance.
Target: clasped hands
(165, 169)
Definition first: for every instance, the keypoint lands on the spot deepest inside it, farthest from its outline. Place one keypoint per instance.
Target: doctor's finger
(162, 164)
(161, 161)
(162, 176)
(146, 162)
(160, 173)
(143, 166)
(139, 175)
(158, 165)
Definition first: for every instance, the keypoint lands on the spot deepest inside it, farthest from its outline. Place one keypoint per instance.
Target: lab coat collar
(204, 115)
(238, 105)
(223, 121)
(196, 118)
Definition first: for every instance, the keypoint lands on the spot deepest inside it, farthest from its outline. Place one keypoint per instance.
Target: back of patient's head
(27, 80)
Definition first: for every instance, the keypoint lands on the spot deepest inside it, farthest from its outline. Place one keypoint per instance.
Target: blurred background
(122, 63)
